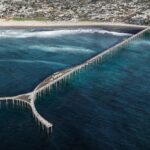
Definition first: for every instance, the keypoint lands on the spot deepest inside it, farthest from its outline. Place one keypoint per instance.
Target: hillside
(128, 11)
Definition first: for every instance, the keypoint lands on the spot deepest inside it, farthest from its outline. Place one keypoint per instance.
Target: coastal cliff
(127, 11)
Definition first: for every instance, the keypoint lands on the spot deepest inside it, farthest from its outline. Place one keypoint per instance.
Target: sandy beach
(12, 23)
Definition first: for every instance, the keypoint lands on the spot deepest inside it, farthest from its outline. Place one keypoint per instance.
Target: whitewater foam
(32, 61)
(61, 48)
(20, 33)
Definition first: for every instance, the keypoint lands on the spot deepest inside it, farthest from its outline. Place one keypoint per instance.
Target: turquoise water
(106, 107)
(28, 56)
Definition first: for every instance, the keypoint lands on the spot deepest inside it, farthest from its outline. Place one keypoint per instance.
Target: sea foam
(32, 61)
(20, 33)
(61, 48)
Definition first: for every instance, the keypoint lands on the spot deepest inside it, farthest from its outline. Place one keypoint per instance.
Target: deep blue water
(105, 108)
(28, 56)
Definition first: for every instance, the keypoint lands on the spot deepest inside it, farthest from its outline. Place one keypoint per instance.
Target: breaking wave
(61, 48)
(32, 61)
(20, 33)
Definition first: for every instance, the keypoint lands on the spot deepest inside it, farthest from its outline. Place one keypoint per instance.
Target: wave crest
(61, 48)
(20, 33)
(32, 61)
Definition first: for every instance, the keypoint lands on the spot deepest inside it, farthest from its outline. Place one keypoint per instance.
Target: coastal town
(126, 11)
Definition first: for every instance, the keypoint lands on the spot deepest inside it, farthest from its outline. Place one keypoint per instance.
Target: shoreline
(28, 24)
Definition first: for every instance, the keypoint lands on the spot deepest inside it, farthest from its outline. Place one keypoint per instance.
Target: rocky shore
(126, 11)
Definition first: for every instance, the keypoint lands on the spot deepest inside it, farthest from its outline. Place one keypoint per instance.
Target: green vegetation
(87, 20)
(30, 19)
